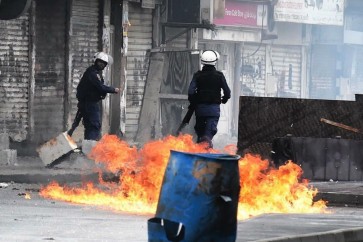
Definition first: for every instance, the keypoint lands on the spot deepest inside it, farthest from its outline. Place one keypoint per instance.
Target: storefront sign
(242, 14)
(231, 35)
(310, 11)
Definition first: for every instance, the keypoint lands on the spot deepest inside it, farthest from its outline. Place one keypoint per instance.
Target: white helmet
(103, 57)
(210, 57)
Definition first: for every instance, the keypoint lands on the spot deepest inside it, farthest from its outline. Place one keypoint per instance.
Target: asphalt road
(39, 219)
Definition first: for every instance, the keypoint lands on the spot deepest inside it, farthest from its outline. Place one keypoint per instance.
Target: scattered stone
(56, 148)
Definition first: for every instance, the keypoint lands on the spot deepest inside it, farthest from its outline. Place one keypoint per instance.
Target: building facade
(44, 52)
(268, 48)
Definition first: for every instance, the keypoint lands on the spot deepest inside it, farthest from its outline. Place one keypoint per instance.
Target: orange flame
(27, 196)
(264, 189)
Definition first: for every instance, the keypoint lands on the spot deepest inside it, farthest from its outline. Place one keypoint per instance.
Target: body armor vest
(209, 84)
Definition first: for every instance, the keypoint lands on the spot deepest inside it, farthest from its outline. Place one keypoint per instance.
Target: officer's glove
(224, 100)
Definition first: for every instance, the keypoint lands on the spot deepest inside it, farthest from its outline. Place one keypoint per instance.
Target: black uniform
(204, 95)
(90, 90)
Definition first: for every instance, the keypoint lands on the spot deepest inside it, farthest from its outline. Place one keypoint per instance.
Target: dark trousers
(91, 114)
(206, 128)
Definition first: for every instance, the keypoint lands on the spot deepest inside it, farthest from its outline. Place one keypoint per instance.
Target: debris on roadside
(55, 148)
(3, 185)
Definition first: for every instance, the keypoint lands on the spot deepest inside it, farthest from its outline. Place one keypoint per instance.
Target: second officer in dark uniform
(204, 95)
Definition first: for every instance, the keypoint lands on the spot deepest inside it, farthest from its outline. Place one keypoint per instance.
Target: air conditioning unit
(185, 11)
(11, 9)
(270, 32)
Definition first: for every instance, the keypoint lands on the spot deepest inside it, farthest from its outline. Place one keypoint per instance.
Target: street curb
(47, 178)
(341, 199)
(340, 235)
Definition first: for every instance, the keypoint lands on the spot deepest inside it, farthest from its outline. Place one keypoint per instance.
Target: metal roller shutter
(14, 77)
(253, 69)
(49, 73)
(139, 43)
(286, 66)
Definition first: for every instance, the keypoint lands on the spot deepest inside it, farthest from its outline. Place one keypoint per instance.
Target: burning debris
(264, 189)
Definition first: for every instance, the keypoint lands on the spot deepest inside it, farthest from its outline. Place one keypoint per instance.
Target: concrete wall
(262, 119)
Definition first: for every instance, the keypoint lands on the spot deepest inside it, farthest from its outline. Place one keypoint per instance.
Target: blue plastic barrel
(198, 199)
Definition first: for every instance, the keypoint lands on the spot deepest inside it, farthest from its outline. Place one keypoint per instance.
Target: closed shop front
(139, 43)
(286, 65)
(49, 71)
(253, 69)
(270, 70)
(14, 77)
(43, 55)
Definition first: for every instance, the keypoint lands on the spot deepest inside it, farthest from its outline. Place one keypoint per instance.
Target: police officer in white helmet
(204, 95)
(90, 91)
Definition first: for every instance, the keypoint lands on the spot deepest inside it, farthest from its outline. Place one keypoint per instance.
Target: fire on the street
(264, 189)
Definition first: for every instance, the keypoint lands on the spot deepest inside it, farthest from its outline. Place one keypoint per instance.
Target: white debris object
(55, 148)
(3, 185)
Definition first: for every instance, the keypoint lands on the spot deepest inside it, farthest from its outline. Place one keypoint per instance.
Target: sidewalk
(77, 168)
(73, 168)
(340, 193)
